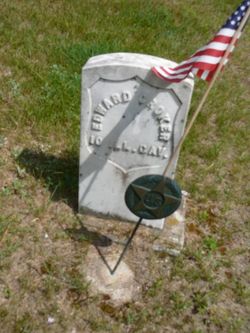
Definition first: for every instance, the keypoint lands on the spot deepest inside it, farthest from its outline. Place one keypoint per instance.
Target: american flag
(205, 61)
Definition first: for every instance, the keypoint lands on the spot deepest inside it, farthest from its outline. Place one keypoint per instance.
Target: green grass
(44, 45)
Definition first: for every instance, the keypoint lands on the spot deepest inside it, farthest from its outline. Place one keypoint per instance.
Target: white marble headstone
(130, 123)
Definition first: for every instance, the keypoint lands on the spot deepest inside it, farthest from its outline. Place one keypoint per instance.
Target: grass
(44, 45)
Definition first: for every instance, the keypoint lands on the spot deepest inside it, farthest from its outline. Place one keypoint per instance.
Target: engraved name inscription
(158, 112)
(105, 105)
(162, 117)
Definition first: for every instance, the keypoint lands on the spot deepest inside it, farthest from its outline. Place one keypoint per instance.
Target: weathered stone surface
(130, 123)
(121, 287)
(172, 236)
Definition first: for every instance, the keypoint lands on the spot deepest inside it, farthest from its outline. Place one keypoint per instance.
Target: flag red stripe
(198, 64)
(164, 78)
(221, 39)
(194, 64)
(210, 75)
(205, 66)
(168, 73)
(210, 52)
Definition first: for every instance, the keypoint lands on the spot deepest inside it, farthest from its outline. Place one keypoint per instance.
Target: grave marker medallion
(131, 122)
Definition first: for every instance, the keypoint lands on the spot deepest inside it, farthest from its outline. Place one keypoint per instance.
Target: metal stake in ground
(150, 197)
(127, 245)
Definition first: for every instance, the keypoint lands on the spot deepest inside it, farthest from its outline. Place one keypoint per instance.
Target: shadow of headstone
(83, 234)
(60, 174)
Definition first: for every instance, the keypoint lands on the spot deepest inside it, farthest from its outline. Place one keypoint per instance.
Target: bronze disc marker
(153, 197)
(150, 197)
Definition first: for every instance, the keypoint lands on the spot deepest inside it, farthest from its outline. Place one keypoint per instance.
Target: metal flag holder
(157, 196)
(150, 197)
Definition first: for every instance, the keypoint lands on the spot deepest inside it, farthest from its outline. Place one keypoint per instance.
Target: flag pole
(210, 85)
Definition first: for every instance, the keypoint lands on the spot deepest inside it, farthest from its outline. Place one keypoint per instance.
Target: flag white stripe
(161, 72)
(178, 71)
(204, 75)
(204, 58)
(214, 45)
(195, 70)
(164, 74)
(226, 32)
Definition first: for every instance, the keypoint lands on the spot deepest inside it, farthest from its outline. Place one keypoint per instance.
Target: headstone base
(171, 238)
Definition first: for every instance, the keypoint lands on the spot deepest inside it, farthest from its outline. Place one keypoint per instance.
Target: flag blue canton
(234, 20)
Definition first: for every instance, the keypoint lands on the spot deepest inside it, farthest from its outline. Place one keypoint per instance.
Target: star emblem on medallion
(153, 196)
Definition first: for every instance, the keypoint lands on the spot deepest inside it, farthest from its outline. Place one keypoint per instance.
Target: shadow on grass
(95, 238)
(82, 233)
(60, 174)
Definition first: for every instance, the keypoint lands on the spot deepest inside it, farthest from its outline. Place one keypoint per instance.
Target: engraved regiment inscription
(130, 124)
